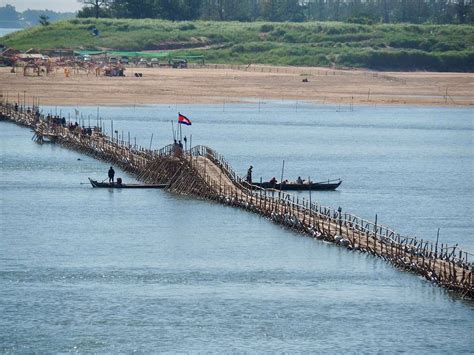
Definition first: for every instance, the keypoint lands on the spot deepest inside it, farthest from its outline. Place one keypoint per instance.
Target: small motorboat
(120, 185)
(294, 186)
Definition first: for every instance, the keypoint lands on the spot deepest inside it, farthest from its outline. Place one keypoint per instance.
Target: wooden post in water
(375, 234)
(339, 210)
(151, 140)
(282, 172)
(436, 245)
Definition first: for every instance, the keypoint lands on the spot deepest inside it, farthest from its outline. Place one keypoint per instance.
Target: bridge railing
(217, 159)
(378, 232)
(167, 150)
(384, 234)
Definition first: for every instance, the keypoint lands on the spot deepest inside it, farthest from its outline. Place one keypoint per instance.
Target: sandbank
(217, 84)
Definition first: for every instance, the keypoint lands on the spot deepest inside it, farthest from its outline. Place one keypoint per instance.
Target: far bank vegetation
(337, 44)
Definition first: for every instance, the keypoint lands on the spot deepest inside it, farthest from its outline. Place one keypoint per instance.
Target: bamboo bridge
(203, 173)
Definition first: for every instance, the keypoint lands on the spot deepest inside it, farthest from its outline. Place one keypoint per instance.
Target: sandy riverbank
(324, 85)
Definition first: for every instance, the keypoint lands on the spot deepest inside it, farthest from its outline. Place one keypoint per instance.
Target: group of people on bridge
(56, 120)
(28, 110)
(178, 146)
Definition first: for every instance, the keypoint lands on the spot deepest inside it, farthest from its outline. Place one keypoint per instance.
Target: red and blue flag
(184, 120)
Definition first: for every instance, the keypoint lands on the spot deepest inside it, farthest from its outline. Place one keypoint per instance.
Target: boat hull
(97, 184)
(319, 186)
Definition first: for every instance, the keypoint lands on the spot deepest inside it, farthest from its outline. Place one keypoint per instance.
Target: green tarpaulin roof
(125, 54)
(190, 57)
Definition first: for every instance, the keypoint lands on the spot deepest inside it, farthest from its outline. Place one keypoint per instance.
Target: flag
(184, 120)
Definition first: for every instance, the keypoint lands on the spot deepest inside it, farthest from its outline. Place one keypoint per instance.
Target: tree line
(358, 11)
(10, 17)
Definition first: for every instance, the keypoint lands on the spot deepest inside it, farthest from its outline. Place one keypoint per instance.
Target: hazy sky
(56, 5)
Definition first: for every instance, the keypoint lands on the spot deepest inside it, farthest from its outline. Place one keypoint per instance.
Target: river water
(120, 271)
(5, 31)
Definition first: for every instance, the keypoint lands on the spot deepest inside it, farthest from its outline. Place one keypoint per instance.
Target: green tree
(8, 13)
(361, 11)
(44, 20)
(96, 5)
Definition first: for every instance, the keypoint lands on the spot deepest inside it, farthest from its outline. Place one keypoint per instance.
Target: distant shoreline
(6, 30)
(206, 85)
(383, 47)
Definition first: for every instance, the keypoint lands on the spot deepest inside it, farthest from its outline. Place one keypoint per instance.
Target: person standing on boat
(111, 174)
(249, 175)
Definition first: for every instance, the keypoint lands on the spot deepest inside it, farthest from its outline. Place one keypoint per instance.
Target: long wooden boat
(115, 185)
(315, 186)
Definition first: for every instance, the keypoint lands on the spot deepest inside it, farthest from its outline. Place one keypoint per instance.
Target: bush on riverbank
(382, 47)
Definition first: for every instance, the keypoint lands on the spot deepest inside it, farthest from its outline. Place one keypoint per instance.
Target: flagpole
(282, 172)
(172, 127)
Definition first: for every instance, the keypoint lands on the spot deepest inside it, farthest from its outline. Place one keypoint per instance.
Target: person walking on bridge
(249, 175)
(111, 174)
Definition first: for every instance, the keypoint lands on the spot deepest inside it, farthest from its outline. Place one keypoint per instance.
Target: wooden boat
(116, 185)
(293, 186)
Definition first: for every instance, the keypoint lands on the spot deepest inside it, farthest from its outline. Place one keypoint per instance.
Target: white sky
(56, 5)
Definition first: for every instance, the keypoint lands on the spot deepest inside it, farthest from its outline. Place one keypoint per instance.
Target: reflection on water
(118, 271)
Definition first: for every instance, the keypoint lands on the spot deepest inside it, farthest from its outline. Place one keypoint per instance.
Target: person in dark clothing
(111, 174)
(249, 175)
(273, 181)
